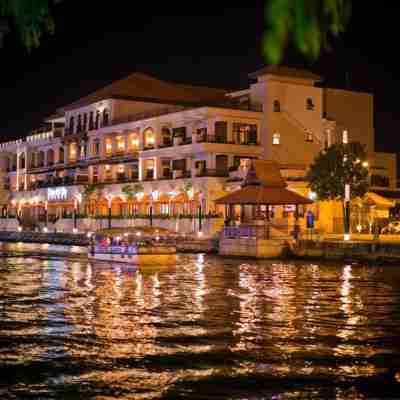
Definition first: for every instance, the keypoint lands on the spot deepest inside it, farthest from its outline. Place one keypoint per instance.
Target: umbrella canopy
(263, 195)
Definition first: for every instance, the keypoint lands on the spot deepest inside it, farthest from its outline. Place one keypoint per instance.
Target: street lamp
(345, 141)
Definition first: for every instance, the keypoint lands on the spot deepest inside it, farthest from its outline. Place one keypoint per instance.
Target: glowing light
(118, 238)
(157, 238)
(75, 230)
(139, 196)
(359, 228)
(126, 234)
(200, 234)
(108, 167)
(89, 235)
(138, 233)
(45, 230)
(365, 164)
(345, 137)
(312, 196)
(60, 193)
(19, 228)
(346, 237)
(155, 194)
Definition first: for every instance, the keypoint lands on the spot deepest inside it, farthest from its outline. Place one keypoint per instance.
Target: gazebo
(257, 195)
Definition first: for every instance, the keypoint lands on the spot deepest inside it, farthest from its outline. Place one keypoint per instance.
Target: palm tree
(92, 190)
(130, 193)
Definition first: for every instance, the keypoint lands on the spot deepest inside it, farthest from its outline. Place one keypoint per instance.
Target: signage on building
(57, 194)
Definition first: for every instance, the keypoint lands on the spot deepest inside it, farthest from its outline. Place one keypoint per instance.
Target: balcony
(219, 173)
(181, 174)
(149, 175)
(223, 140)
(166, 175)
(149, 147)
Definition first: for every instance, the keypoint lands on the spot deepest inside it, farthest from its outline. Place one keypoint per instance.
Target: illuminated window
(108, 146)
(149, 138)
(120, 143)
(277, 106)
(276, 138)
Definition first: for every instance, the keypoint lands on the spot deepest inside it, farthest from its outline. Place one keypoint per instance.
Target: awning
(373, 199)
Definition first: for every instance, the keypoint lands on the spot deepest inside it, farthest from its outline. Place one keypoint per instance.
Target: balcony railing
(223, 140)
(221, 173)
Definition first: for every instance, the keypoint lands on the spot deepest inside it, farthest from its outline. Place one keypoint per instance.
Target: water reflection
(207, 328)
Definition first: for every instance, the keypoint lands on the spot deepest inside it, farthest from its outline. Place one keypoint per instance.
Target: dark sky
(96, 43)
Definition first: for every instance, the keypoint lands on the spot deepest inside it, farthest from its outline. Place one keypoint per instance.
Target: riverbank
(184, 244)
(377, 251)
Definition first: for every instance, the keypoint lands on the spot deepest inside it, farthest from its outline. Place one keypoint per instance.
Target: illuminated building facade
(141, 142)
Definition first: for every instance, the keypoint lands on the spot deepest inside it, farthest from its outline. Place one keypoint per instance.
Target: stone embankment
(376, 251)
(183, 244)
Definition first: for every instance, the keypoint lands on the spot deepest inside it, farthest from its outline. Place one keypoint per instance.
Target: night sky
(96, 43)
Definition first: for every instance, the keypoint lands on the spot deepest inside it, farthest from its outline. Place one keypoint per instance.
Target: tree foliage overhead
(336, 166)
(31, 19)
(307, 23)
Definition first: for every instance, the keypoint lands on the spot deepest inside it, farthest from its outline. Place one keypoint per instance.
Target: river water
(207, 328)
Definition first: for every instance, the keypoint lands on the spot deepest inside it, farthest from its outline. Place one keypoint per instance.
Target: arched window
(79, 124)
(166, 136)
(133, 141)
(50, 157)
(61, 155)
(22, 161)
(71, 125)
(277, 106)
(91, 122)
(149, 139)
(309, 104)
(106, 117)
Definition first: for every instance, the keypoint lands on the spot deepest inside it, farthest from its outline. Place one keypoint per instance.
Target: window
(120, 144)
(309, 104)
(96, 124)
(61, 154)
(79, 124)
(276, 138)
(244, 133)
(84, 122)
(71, 124)
(221, 131)
(106, 117)
(149, 138)
(96, 148)
(22, 161)
(91, 122)
(277, 106)
(309, 136)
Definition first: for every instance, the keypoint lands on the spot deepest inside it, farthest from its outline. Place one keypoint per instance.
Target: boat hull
(136, 259)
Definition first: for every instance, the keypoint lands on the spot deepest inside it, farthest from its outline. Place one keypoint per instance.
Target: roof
(288, 72)
(263, 195)
(389, 194)
(142, 87)
(268, 172)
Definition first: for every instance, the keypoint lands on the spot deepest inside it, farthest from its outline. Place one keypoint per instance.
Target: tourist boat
(135, 246)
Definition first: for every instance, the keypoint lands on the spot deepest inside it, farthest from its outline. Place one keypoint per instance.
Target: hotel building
(142, 145)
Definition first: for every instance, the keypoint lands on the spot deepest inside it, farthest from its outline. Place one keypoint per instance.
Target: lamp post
(346, 216)
(109, 198)
(201, 198)
(46, 218)
(151, 210)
